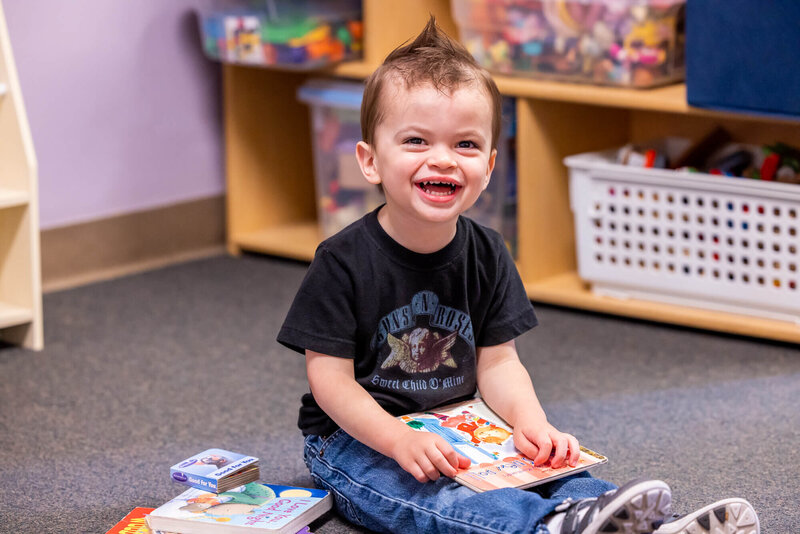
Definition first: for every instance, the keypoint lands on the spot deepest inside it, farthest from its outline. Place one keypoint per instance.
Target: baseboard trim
(117, 246)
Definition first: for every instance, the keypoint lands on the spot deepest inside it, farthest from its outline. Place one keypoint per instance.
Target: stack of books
(225, 498)
(216, 470)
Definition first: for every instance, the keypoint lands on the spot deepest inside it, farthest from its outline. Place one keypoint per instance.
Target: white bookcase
(20, 270)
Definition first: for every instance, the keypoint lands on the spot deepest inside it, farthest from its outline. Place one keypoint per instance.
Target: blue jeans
(371, 490)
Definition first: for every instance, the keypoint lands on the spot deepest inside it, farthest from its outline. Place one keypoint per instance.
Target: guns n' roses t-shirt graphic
(423, 345)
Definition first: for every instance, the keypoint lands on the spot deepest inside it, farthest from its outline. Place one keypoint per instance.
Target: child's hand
(425, 455)
(543, 441)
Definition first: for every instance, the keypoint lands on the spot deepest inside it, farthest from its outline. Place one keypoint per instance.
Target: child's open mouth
(438, 189)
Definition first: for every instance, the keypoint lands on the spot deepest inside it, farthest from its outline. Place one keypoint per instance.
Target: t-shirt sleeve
(510, 311)
(321, 317)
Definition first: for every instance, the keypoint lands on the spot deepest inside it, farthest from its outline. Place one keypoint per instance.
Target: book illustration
(262, 507)
(476, 432)
(216, 470)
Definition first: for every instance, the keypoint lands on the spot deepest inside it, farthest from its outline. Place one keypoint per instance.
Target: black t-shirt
(409, 321)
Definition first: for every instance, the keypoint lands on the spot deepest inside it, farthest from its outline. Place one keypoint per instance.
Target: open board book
(250, 509)
(476, 432)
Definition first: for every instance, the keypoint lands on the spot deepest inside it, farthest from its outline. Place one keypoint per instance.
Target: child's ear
(365, 154)
(489, 168)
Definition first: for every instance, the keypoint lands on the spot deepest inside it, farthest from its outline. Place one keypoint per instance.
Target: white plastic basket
(692, 239)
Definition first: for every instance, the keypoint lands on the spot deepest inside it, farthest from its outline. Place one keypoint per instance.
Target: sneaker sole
(639, 509)
(730, 516)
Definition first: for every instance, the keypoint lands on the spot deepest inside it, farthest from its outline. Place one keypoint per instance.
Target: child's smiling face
(432, 153)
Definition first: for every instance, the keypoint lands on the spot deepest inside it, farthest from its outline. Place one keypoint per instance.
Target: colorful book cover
(254, 507)
(476, 432)
(133, 523)
(209, 468)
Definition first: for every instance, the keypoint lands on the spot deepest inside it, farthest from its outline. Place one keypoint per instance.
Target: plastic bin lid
(332, 93)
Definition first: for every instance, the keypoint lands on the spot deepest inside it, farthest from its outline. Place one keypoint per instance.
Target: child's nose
(441, 157)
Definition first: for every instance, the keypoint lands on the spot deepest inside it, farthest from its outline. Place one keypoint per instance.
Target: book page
(476, 432)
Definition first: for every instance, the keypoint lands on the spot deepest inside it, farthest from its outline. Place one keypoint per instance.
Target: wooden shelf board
(569, 290)
(353, 69)
(10, 198)
(292, 240)
(14, 315)
(669, 98)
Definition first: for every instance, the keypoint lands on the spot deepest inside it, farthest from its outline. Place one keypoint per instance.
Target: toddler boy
(414, 306)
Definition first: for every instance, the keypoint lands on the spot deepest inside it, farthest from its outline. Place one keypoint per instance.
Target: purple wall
(124, 109)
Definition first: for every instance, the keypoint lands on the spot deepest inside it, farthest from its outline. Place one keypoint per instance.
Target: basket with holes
(693, 239)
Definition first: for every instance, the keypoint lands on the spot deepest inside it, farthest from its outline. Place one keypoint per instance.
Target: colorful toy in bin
(283, 33)
(715, 153)
(636, 43)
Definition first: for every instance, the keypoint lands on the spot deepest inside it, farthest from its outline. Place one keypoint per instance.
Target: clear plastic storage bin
(291, 34)
(693, 239)
(344, 195)
(633, 43)
(497, 205)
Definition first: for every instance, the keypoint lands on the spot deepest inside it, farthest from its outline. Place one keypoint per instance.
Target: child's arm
(506, 387)
(335, 389)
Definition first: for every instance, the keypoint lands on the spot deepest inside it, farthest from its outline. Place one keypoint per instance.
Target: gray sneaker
(728, 516)
(638, 507)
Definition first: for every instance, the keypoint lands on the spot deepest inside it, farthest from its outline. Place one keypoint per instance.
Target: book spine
(235, 466)
(195, 481)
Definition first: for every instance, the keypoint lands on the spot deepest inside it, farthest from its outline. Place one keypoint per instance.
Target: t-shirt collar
(398, 253)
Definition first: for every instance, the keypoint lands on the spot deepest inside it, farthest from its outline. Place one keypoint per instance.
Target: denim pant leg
(372, 491)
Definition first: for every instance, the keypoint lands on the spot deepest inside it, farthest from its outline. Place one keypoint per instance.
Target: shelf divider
(291, 240)
(10, 198)
(11, 315)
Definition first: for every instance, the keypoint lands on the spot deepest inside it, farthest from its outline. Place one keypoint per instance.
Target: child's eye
(414, 141)
(467, 144)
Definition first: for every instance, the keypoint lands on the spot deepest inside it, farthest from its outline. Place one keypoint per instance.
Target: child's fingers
(416, 471)
(454, 459)
(463, 462)
(428, 468)
(524, 445)
(538, 448)
(574, 451)
(562, 448)
(545, 448)
(441, 461)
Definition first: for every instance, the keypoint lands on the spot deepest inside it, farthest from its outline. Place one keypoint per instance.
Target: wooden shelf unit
(20, 278)
(271, 203)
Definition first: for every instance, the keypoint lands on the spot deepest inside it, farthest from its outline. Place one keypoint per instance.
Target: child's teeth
(442, 188)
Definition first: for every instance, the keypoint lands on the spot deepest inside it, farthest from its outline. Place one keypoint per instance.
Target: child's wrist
(393, 438)
(530, 420)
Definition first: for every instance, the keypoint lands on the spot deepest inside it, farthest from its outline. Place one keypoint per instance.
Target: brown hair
(433, 57)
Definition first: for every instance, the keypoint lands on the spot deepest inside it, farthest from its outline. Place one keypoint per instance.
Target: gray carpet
(145, 370)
